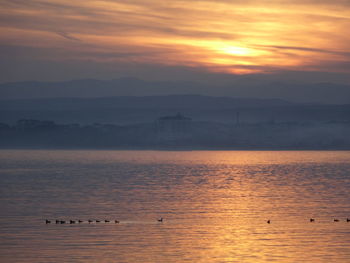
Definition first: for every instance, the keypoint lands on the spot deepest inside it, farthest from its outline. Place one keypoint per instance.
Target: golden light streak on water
(215, 205)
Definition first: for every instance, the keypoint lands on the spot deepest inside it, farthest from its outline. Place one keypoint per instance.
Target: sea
(216, 206)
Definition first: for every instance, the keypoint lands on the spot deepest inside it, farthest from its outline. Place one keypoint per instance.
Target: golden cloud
(228, 36)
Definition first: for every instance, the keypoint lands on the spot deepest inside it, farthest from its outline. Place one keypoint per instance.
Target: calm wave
(215, 205)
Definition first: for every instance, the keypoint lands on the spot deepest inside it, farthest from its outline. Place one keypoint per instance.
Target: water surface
(215, 205)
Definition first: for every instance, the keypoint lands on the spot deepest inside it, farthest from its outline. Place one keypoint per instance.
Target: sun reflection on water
(215, 206)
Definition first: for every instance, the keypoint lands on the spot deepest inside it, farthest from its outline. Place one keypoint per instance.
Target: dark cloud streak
(67, 36)
(308, 49)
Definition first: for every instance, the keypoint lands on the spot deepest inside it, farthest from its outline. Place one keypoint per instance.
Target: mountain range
(326, 93)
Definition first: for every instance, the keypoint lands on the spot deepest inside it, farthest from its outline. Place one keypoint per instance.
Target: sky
(174, 40)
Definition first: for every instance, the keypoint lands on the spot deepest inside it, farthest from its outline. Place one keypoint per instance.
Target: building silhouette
(173, 129)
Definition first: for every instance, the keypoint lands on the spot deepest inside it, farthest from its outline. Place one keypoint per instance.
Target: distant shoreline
(177, 133)
(173, 149)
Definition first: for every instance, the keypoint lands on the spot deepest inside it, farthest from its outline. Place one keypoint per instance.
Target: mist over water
(215, 205)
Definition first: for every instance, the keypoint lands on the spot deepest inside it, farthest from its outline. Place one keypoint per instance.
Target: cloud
(308, 49)
(228, 36)
(68, 36)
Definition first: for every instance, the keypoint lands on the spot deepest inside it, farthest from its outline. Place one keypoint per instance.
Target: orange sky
(218, 36)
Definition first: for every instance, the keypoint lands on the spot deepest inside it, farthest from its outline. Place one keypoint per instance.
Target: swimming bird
(106, 221)
(47, 221)
(312, 219)
(336, 220)
(116, 221)
(80, 221)
(62, 222)
(347, 220)
(71, 221)
(268, 221)
(98, 221)
(90, 221)
(57, 221)
(160, 219)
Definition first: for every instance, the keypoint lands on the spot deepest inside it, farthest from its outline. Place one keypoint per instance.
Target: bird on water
(312, 219)
(268, 221)
(336, 220)
(47, 221)
(347, 220)
(160, 219)
(116, 221)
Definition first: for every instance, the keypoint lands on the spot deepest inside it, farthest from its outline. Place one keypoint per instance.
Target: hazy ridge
(321, 92)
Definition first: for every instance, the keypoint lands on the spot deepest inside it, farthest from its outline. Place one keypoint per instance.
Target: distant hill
(329, 93)
(181, 102)
(137, 109)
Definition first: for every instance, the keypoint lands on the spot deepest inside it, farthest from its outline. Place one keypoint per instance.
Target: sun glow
(236, 51)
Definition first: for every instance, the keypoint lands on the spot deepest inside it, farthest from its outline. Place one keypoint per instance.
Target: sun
(236, 50)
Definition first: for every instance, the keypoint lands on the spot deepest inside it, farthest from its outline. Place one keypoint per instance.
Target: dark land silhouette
(177, 132)
(125, 110)
(174, 121)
